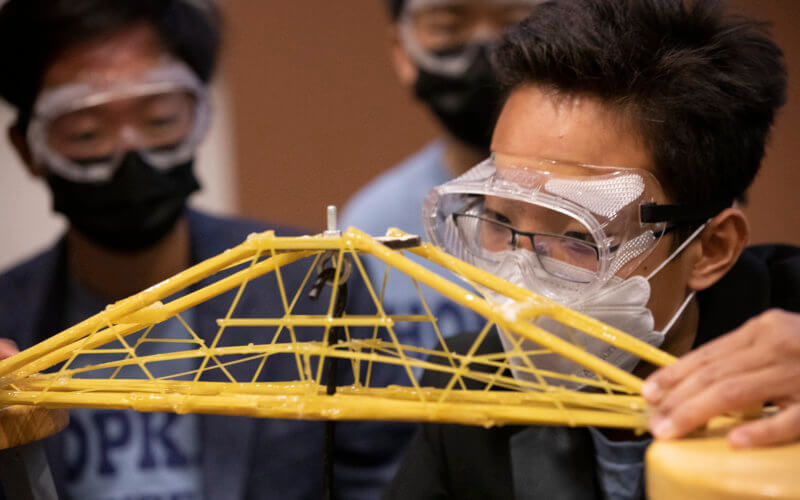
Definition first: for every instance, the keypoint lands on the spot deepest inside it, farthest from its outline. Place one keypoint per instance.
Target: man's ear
(721, 243)
(20, 143)
(404, 68)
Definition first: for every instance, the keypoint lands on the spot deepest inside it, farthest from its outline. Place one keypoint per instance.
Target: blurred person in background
(440, 50)
(112, 104)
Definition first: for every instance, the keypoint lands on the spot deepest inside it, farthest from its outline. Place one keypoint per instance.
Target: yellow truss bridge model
(122, 358)
(106, 361)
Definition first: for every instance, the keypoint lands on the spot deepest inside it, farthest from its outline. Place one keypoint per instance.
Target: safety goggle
(562, 226)
(82, 130)
(445, 36)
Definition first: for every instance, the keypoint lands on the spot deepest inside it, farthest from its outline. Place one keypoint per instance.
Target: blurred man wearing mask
(112, 104)
(440, 50)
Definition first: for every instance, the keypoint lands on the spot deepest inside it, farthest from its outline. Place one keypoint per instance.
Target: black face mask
(468, 105)
(132, 211)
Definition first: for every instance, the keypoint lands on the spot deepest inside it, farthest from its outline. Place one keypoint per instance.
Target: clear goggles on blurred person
(445, 36)
(81, 131)
(558, 229)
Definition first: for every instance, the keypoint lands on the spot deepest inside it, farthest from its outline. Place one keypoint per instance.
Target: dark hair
(34, 33)
(702, 86)
(395, 8)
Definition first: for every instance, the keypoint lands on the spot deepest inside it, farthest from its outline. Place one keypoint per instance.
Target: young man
(112, 104)
(629, 132)
(440, 51)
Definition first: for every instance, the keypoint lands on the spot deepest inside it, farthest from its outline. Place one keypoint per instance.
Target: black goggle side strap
(680, 214)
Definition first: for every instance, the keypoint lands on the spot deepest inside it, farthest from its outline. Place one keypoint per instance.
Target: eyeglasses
(552, 250)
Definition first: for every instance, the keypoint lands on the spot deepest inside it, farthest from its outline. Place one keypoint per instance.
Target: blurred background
(308, 110)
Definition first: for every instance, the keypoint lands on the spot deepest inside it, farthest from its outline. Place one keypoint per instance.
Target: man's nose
(127, 138)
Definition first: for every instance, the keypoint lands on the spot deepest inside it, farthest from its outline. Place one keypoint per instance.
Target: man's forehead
(122, 56)
(571, 129)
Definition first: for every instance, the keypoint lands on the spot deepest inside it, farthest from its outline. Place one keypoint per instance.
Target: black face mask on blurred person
(134, 210)
(468, 105)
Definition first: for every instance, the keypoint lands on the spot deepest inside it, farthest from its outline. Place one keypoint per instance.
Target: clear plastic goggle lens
(81, 130)
(563, 228)
(156, 123)
(564, 249)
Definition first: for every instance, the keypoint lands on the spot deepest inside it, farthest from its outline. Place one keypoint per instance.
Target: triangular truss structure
(117, 358)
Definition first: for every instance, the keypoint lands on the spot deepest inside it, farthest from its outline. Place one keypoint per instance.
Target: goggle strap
(677, 251)
(679, 214)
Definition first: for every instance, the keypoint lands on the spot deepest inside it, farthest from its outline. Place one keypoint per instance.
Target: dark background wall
(317, 111)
